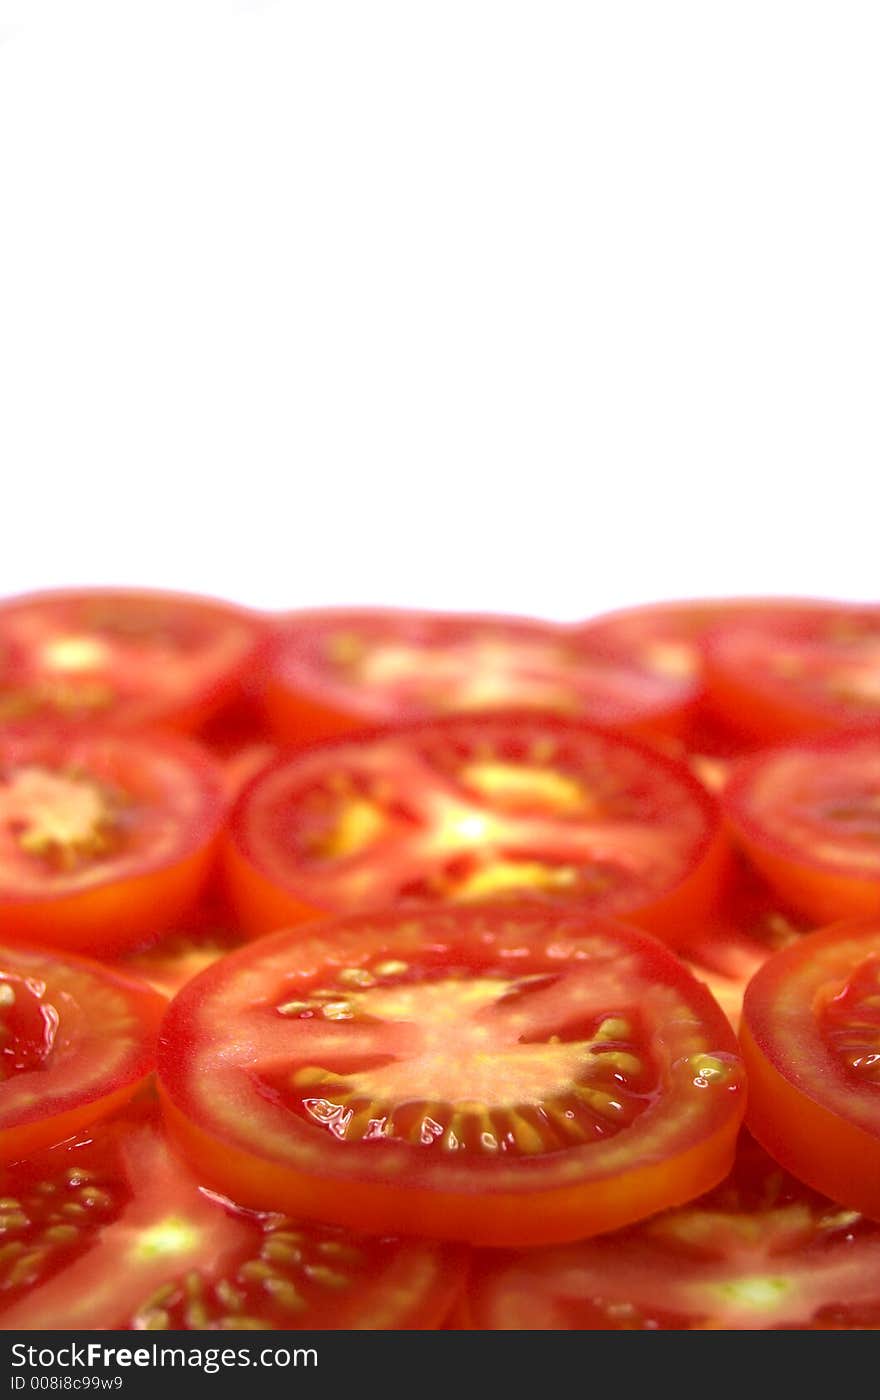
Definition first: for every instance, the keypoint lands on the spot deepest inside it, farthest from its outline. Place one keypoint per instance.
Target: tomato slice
(808, 817)
(111, 1231)
(105, 839)
(811, 1039)
(466, 809)
(800, 674)
(337, 671)
(238, 740)
(76, 1041)
(178, 956)
(759, 1252)
(502, 1075)
(132, 657)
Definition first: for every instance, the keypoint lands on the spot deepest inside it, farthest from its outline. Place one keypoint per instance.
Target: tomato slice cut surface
(111, 1231)
(811, 1040)
(337, 671)
(500, 1075)
(759, 1252)
(105, 839)
(466, 809)
(76, 1040)
(800, 674)
(131, 657)
(808, 817)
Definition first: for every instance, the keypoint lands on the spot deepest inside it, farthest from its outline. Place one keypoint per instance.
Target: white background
(541, 306)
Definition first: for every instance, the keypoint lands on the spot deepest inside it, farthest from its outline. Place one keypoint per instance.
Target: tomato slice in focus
(804, 674)
(122, 656)
(468, 809)
(105, 839)
(499, 1075)
(337, 671)
(76, 1041)
(811, 1041)
(759, 1252)
(808, 818)
(111, 1231)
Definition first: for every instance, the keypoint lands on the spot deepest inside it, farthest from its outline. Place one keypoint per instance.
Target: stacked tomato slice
(403, 990)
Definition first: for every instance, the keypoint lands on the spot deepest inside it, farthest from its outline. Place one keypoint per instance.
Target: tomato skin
(812, 881)
(267, 897)
(97, 1011)
(237, 636)
(306, 701)
(748, 690)
(121, 908)
(484, 1200)
(805, 1108)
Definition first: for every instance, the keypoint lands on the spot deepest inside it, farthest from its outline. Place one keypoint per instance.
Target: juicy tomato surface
(128, 657)
(471, 808)
(105, 839)
(208, 934)
(797, 674)
(110, 1230)
(76, 1041)
(499, 1074)
(811, 1041)
(761, 1251)
(338, 671)
(808, 817)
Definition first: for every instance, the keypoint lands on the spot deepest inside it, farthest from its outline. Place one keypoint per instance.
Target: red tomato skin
(263, 906)
(118, 915)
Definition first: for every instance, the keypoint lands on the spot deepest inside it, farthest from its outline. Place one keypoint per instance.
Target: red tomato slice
(808, 817)
(238, 740)
(797, 675)
(811, 1039)
(130, 657)
(178, 956)
(105, 839)
(337, 671)
(759, 1252)
(466, 809)
(501, 1075)
(111, 1231)
(76, 1041)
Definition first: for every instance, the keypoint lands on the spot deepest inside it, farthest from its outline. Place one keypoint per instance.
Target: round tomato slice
(76, 1041)
(179, 955)
(111, 1231)
(335, 672)
(797, 674)
(759, 1252)
(501, 1075)
(811, 1040)
(129, 657)
(808, 817)
(466, 809)
(105, 839)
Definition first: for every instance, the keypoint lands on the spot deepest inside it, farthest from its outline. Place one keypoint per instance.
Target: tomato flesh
(111, 1231)
(104, 839)
(761, 1251)
(125, 657)
(338, 671)
(502, 1074)
(808, 817)
(76, 1040)
(469, 809)
(804, 673)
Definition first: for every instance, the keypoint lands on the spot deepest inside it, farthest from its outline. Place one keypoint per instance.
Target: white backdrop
(538, 306)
